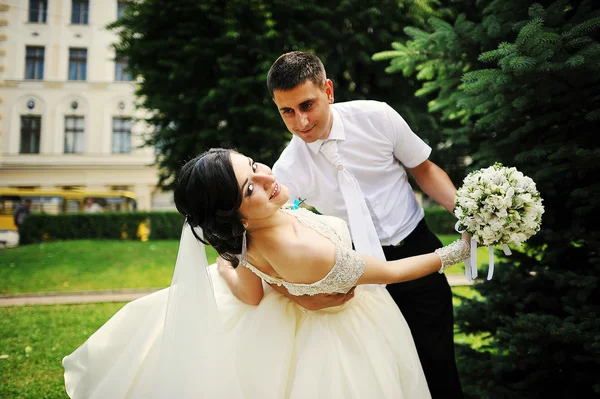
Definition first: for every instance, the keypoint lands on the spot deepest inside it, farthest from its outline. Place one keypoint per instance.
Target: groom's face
(305, 110)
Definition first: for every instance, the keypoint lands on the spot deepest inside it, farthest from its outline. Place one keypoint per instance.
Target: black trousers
(426, 304)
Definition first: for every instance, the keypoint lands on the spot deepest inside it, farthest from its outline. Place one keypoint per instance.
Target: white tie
(362, 228)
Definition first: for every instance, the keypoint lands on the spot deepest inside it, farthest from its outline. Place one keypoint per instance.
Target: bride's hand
(226, 271)
(322, 301)
(465, 236)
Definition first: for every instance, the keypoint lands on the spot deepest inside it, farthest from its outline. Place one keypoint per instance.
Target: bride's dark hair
(208, 195)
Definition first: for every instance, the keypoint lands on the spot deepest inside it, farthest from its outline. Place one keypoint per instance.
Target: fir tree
(519, 83)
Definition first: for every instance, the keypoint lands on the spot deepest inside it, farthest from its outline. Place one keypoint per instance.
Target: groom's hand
(319, 301)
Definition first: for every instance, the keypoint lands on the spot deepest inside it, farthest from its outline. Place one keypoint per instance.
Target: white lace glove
(453, 253)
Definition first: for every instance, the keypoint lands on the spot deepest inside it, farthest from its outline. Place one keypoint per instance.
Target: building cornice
(70, 161)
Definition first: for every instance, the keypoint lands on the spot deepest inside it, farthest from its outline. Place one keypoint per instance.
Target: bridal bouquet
(497, 206)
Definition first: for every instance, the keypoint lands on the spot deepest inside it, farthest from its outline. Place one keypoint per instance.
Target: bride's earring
(244, 254)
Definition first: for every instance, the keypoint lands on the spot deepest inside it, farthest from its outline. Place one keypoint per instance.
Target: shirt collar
(337, 132)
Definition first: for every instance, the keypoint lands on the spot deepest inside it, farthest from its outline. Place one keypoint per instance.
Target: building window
(77, 63)
(34, 62)
(121, 138)
(74, 129)
(31, 127)
(38, 9)
(121, 6)
(121, 73)
(79, 12)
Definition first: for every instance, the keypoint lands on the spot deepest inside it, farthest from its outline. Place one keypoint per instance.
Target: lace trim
(344, 274)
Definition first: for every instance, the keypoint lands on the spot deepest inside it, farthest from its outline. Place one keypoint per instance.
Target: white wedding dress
(276, 350)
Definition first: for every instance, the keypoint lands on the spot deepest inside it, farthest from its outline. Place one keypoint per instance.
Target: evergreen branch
(550, 38)
(434, 106)
(579, 41)
(427, 71)
(520, 102)
(593, 115)
(428, 88)
(388, 55)
(520, 64)
(537, 11)
(441, 26)
(503, 50)
(591, 53)
(495, 118)
(575, 61)
(416, 33)
(583, 28)
(480, 75)
(529, 31)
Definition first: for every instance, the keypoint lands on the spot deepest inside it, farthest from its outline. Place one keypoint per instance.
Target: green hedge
(439, 220)
(109, 226)
(161, 226)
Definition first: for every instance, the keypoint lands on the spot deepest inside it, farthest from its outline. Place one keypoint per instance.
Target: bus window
(51, 205)
(61, 201)
(73, 206)
(8, 204)
(94, 205)
(115, 204)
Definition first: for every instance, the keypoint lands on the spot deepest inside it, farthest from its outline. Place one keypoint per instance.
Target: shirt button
(340, 167)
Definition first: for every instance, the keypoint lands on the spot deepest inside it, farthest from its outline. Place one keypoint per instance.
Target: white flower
(499, 205)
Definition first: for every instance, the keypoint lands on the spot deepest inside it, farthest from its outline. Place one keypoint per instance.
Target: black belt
(421, 227)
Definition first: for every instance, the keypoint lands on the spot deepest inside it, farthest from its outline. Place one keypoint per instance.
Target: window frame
(121, 131)
(31, 132)
(76, 132)
(121, 74)
(80, 15)
(37, 60)
(41, 13)
(78, 62)
(121, 7)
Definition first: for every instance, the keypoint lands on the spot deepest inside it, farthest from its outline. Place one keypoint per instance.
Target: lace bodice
(346, 271)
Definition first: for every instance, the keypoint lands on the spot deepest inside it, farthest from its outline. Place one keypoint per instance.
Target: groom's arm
(434, 182)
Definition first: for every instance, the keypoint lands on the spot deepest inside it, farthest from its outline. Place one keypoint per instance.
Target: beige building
(66, 106)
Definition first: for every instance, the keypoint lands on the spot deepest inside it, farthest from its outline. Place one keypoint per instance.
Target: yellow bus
(62, 201)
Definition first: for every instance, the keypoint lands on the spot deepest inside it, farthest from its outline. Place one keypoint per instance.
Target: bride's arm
(414, 267)
(244, 285)
(308, 262)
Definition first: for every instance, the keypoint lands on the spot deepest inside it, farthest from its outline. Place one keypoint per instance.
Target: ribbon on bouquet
(471, 261)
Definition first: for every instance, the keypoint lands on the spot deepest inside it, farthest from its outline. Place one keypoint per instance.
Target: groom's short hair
(294, 68)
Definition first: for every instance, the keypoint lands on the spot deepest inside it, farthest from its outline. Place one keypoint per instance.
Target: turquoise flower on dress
(297, 203)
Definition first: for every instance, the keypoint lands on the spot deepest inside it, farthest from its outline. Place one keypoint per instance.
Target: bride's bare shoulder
(298, 258)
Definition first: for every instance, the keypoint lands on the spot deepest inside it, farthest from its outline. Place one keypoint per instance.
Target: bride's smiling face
(262, 194)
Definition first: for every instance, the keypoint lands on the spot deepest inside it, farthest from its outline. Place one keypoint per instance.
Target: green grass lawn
(92, 265)
(33, 341)
(88, 265)
(474, 341)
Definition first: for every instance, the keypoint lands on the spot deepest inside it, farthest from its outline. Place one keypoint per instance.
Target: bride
(223, 332)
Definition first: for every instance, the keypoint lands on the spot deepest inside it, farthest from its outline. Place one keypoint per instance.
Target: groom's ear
(329, 90)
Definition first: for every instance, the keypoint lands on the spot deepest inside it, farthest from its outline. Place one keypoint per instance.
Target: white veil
(194, 360)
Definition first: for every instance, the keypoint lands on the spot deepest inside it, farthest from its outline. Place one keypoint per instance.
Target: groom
(377, 147)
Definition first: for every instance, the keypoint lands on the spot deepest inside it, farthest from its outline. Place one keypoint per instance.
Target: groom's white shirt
(375, 144)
